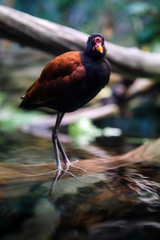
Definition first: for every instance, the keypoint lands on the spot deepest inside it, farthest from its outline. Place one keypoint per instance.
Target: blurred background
(123, 22)
(123, 201)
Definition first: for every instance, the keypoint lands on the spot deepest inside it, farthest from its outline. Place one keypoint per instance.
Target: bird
(67, 83)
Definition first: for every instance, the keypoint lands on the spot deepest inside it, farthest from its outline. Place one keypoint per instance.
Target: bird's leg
(58, 147)
(55, 139)
(64, 155)
(57, 144)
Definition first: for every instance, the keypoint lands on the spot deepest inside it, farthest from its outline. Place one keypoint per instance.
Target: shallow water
(118, 203)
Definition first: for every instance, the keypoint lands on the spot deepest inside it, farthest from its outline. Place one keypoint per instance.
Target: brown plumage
(57, 83)
(69, 82)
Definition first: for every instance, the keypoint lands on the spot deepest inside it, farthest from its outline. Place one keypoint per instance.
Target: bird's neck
(91, 58)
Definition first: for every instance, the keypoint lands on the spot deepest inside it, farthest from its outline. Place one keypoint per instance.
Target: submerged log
(149, 152)
(55, 38)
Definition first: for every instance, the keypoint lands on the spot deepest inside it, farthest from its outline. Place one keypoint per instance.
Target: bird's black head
(95, 46)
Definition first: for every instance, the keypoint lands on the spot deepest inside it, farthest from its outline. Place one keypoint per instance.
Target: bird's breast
(97, 71)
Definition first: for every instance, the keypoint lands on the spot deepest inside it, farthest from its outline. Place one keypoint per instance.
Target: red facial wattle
(98, 45)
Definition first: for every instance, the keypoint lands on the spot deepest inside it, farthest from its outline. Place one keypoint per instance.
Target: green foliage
(138, 8)
(146, 14)
(83, 131)
(11, 117)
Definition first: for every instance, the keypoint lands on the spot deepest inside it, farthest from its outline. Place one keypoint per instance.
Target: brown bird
(67, 83)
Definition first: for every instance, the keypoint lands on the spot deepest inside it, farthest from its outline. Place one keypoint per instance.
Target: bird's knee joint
(54, 135)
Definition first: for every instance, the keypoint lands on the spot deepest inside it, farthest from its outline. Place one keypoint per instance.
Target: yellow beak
(100, 49)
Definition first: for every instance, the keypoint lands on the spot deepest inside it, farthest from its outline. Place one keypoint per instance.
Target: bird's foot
(69, 164)
(72, 163)
(60, 173)
(46, 173)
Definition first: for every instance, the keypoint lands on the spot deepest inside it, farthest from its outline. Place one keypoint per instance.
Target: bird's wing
(56, 78)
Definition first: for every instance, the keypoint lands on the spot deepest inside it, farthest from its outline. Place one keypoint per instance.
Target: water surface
(109, 202)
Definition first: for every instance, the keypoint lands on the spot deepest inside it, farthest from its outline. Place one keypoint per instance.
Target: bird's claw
(59, 172)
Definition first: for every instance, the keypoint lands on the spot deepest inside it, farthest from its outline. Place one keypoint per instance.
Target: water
(107, 201)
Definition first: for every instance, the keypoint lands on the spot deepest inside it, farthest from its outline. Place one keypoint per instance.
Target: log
(148, 153)
(56, 39)
(140, 85)
(92, 112)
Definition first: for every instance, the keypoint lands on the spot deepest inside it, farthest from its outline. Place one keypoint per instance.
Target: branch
(148, 153)
(56, 39)
(92, 112)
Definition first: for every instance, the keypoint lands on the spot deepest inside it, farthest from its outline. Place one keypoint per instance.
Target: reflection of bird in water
(67, 83)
